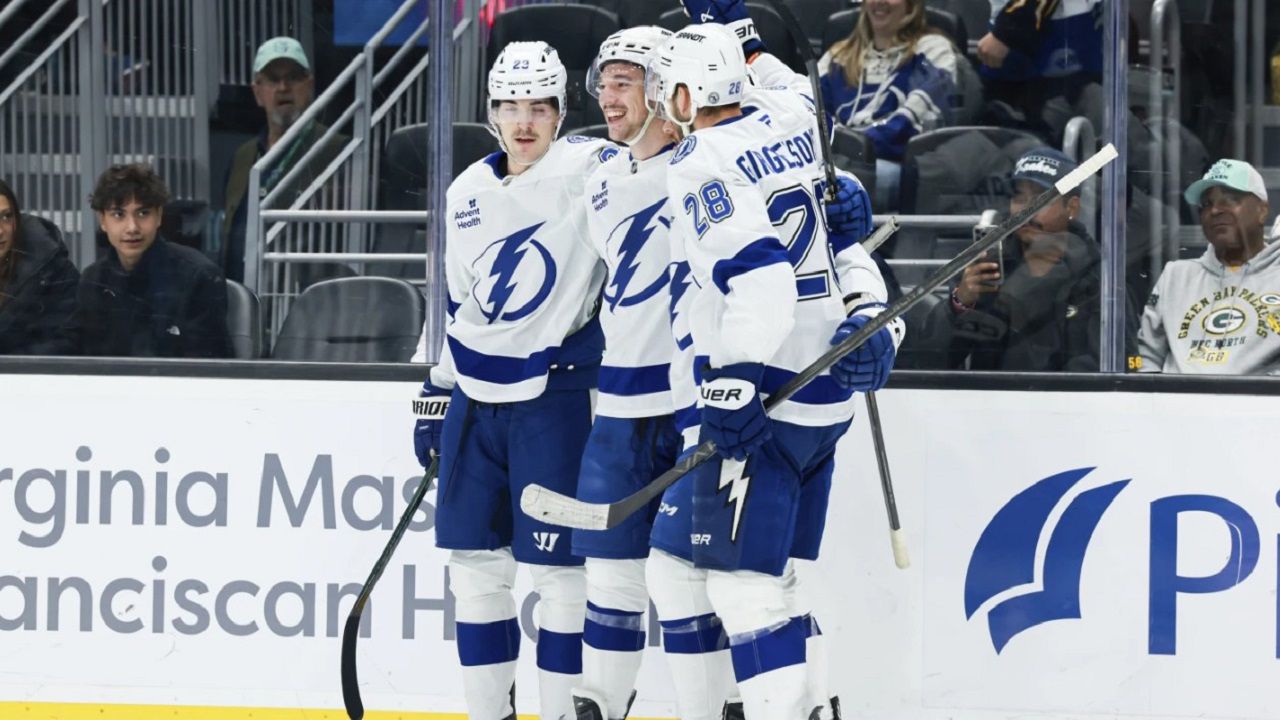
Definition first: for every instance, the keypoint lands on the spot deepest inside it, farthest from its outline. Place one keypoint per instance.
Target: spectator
(1041, 64)
(1221, 312)
(283, 87)
(892, 78)
(1043, 312)
(37, 284)
(148, 297)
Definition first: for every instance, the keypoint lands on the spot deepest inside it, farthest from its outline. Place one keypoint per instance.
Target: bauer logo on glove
(728, 393)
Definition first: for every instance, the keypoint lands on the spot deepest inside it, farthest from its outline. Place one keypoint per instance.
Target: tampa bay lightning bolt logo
(1004, 559)
(684, 149)
(510, 274)
(626, 242)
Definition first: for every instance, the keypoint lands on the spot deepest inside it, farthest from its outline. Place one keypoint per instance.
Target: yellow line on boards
(94, 711)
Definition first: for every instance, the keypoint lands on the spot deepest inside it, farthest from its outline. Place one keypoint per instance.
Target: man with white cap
(283, 86)
(1219, 314)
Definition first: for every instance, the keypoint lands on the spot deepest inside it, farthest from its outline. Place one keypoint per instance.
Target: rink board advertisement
(196, 544)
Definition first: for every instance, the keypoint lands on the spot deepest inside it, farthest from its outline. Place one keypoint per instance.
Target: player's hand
(866, 369)
(732, 415)
(992, 52)
(430, 407)
(980, 277)
(849, 215)
(731, 13)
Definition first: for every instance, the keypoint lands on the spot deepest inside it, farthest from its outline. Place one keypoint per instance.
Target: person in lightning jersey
(776, 276)
(521, 356)
(636, 435)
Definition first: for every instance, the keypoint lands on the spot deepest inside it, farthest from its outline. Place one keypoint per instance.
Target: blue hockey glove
(732, 13)
(732, 414)
(866, 369)
(849, 217)
(428, 431)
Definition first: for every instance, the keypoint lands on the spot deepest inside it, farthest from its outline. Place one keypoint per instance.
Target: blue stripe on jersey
(453, 307)
(635, 380)
(821, 390)
(687, 417)
(762, 252)
(499, 369)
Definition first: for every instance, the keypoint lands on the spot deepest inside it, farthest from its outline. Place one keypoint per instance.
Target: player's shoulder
(579, 154)
(476, 177)
(700, 154)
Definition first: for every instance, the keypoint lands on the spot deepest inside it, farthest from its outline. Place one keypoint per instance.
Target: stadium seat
(813, 15)
(634, 12)
(575, 31)
(357, 319)
(402, 185)
(773, 32)
(963, 169)
(244, 322)
(975, 14)
(840, 25)
(851, 150)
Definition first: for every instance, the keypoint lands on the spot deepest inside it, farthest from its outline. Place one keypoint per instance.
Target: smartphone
(995, 253)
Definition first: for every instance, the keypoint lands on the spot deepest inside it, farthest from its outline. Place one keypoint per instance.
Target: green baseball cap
(1235, 174)
(278, 48)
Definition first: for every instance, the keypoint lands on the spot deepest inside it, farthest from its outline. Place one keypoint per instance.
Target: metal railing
(1165, 194)
(1079, 141)
(121, 82)
(330, 219)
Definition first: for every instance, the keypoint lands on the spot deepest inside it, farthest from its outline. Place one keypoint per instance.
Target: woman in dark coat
(37, 285)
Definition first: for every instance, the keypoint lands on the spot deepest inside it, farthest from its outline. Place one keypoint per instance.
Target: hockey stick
(351, 631)
(897, 540)
(558, 509)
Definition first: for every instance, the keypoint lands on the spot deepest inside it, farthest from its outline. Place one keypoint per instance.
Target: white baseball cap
(278, 48)
(1235, 174)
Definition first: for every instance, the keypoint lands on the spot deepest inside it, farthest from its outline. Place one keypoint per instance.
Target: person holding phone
(1031, 304)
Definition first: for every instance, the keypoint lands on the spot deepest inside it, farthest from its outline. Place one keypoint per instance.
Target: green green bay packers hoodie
(1205, 318)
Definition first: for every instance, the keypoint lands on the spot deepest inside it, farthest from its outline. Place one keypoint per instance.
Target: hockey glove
(849, 216)
(866, 369)
(732, 414)
(731, 13)
(429, 407)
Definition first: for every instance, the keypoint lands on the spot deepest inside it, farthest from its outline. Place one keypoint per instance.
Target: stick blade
(350, 681)
(554, 508)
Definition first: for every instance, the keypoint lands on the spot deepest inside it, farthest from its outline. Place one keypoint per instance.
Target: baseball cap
(1043, 166)
(1227, 173)
(280, 48)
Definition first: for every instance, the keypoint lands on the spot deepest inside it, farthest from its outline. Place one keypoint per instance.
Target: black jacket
(173, 304)
(1033, 324)
(38, 315)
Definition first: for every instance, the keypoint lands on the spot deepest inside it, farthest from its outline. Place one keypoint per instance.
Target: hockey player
(635, 436)
(521, 355)
(771, 291)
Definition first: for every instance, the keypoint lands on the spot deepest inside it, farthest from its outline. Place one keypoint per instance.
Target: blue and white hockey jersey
(629, 218)
(523, 278)
(766, 283)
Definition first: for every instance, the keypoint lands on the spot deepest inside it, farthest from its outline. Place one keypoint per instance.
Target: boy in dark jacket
(37, 284)
(148, 297)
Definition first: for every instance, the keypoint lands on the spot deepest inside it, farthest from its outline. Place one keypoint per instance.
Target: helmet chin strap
(686, 128)
(643, 129)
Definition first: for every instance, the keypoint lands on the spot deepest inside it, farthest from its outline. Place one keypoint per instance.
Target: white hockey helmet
(634, 45)
(706, 59)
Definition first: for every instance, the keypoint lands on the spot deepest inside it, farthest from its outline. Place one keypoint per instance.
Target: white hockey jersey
(523, 278)
(767, 285)
(629, 218)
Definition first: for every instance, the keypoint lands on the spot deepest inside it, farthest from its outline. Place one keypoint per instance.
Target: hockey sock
(562, 604)
(487, 631)
(815, 655)
(701, 670)
(770, 667)
(614, 637)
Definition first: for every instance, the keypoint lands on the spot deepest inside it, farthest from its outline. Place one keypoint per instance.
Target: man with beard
(1219, 313)
(283, 87)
